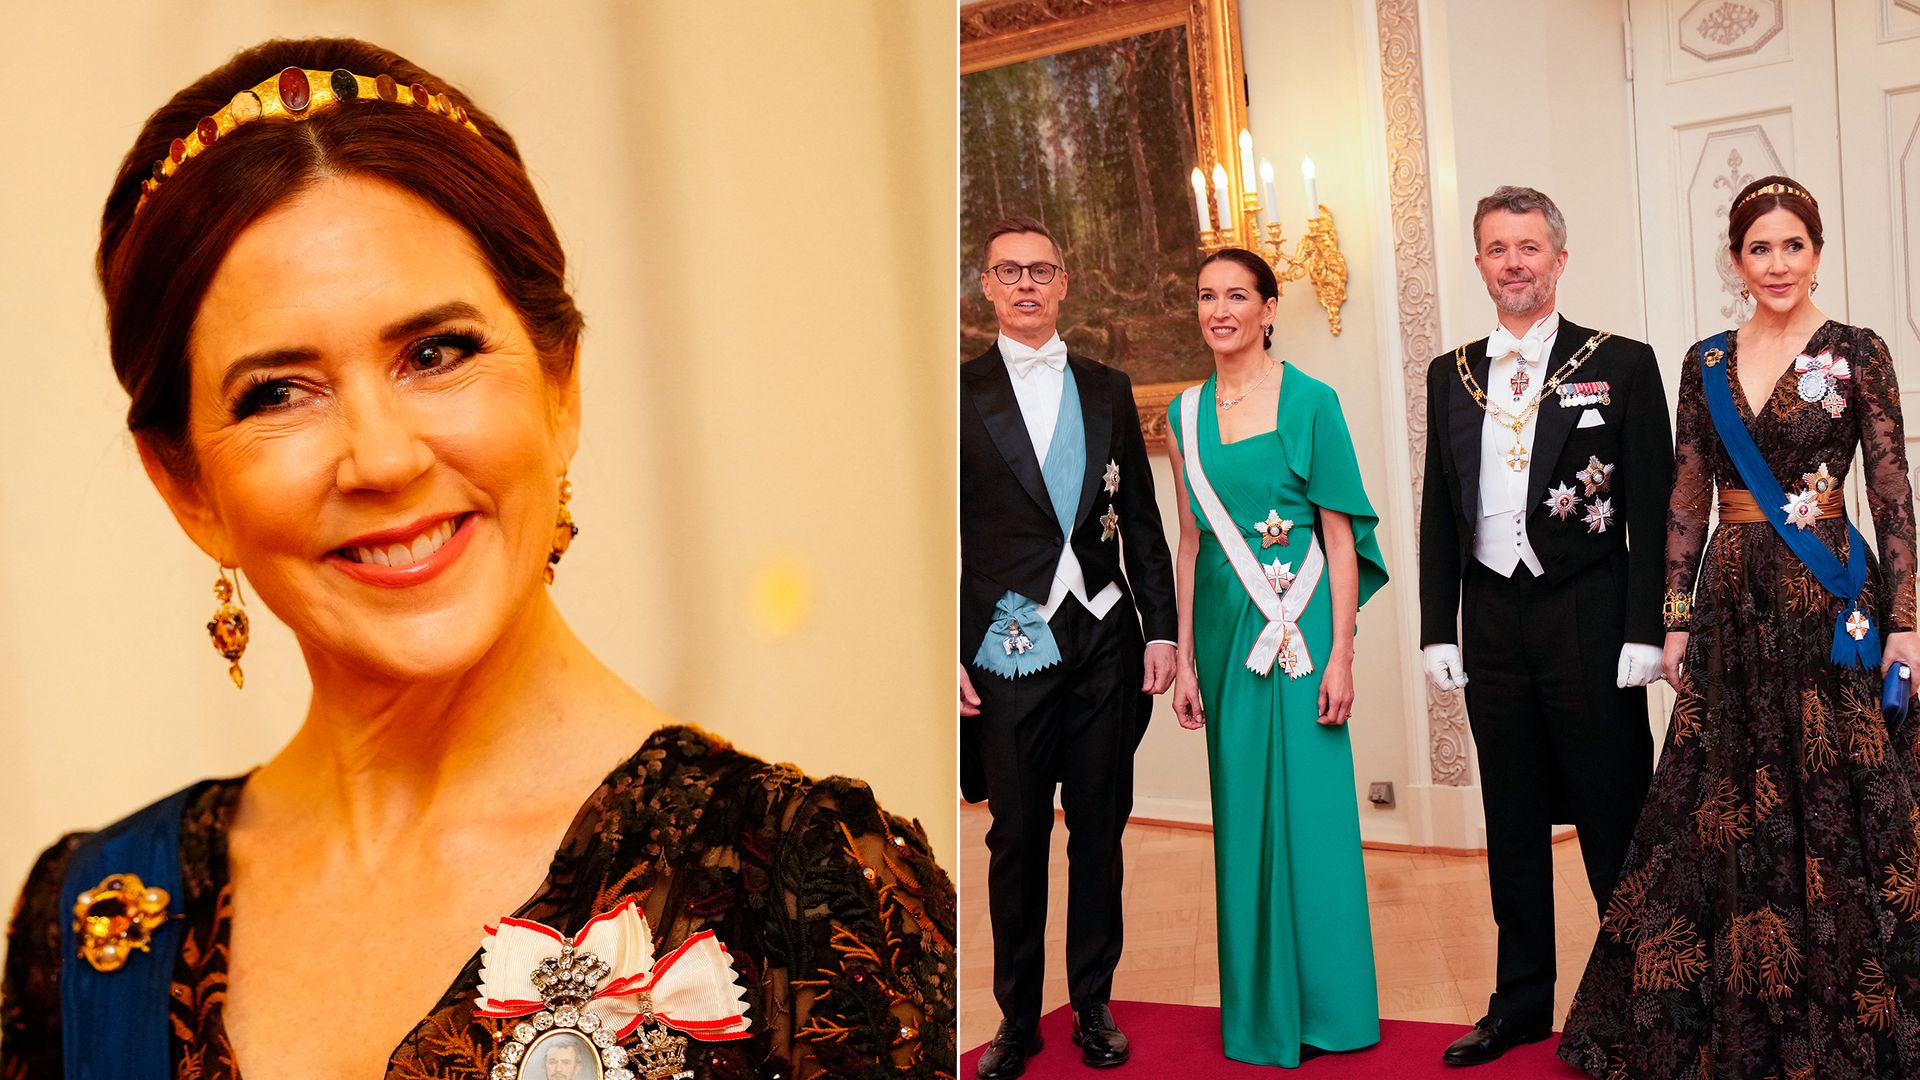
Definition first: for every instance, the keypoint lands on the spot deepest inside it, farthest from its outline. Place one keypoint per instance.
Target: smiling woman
(341, 314)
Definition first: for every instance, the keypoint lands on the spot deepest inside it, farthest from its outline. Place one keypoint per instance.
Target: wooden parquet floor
(1433, 929)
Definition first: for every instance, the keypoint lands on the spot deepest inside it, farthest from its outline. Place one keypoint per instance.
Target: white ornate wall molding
(1410, 192)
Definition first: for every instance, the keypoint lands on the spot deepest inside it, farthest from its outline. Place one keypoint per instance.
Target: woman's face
(379, 449)
(1777, 260)
(1232, 312)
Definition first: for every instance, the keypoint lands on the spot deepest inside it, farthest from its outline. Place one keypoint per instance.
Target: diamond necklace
(1223, 406)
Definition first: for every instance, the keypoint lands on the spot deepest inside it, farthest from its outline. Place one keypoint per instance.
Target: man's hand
(969, 700)
(1159, 668)
(1640, 665)
(1444, 668)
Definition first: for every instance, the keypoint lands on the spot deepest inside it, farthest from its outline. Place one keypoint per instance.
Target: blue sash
(1844, 582)
(1018, 641)
(114, 1024)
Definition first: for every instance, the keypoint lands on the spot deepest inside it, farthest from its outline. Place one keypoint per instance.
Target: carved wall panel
(1708, 37)
(1726, 156)
(1903, 114)
(1417, 286)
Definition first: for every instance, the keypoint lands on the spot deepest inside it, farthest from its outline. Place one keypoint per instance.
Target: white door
(1879, 87)
(1725, 92)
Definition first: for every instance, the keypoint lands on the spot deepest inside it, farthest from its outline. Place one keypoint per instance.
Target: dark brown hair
(1019, 223)
(155, 266)
(1263, 276)
(1793, 198)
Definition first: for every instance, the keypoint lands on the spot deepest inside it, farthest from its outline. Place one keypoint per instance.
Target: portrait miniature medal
(1820, 379)
(599, 1005)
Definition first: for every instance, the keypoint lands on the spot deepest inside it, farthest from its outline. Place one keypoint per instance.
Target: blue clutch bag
(1896, 693)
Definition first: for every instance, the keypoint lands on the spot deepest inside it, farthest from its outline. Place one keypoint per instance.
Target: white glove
(1445, 670)
(1639, 665)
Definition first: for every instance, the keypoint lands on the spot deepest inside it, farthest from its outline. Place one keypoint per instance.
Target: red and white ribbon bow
(692, 989)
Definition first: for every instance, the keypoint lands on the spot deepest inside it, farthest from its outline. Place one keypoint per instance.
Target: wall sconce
(1317, 256)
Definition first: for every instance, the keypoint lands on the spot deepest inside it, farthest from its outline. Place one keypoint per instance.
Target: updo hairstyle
(1793, 198)
(155, 266)
(1263, 278)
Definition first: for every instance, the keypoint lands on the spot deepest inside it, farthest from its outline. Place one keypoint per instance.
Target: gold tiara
(295, 94)
(1774, 189)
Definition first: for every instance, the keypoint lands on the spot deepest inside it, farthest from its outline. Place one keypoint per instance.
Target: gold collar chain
(1517, 455)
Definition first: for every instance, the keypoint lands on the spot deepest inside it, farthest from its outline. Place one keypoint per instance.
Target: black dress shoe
(1490, 1038)
(1098, 1037)
(1006, 1056)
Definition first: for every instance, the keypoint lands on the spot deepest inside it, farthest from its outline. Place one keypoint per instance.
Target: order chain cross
(1517, 456)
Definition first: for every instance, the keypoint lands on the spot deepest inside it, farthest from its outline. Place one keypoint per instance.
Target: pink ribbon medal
(599, 1005)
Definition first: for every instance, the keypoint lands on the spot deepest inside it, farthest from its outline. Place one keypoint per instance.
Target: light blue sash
(1018, 640)
(1844, 582)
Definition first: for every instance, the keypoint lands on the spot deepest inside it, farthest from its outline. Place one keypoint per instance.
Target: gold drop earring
(1815, 287)
(1744, 294)
(229, 628)
(564, 530)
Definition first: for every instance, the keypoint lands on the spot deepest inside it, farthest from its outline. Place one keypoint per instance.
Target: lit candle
(1222, 207)
(1266, 191)
(1246, 160)
(1200, 198)
(1313, 197)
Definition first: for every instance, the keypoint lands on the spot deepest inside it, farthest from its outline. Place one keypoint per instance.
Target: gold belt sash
(1737, 507)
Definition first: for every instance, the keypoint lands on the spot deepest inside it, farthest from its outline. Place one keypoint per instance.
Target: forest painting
(1098, 143)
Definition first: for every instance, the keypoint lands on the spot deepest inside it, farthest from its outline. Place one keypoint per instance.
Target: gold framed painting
(1091, 115)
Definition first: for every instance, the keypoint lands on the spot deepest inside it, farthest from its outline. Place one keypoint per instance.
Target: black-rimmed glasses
(1009, 273)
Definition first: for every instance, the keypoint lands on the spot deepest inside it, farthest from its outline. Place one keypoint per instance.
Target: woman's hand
(1186, 698)
(1902, 648)
(1672, 656)
(1336, 688)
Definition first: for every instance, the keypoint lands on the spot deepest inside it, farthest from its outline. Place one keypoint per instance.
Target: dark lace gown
(839, 923)
(1767, 923)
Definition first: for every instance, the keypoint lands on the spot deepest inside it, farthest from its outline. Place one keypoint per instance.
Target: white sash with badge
(1281, 638)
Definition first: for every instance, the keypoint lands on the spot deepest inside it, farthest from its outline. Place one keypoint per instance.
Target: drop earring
(1744, 294)
(1815, 287)
(229, 628)
(564, 530)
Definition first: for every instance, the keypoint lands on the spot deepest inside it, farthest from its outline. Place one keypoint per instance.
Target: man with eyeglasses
(1056, 494)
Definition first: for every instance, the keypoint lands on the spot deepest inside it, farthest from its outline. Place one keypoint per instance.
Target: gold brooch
(117, 917)
(1712, 357)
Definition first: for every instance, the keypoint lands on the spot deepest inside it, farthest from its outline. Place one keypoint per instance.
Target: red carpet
(1183, 1042)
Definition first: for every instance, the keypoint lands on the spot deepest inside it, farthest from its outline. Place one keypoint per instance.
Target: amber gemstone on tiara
(177, 150)
(460, 113)
(294, 90)
(445, 103)
(384, 85)
(159, 170)
(345, 86)
(208, 130)
(419, 95)
(244, 107)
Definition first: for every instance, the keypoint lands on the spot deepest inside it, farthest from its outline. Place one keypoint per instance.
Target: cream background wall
(757, 201)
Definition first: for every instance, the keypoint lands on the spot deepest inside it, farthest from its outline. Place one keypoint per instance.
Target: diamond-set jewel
(614, 1056)
(589, 1022)
(504, 1071)
(511, 1052)
(566, 1016)
(603, 1038)
(543, 1020)
(618, 1073)
(524, 1032)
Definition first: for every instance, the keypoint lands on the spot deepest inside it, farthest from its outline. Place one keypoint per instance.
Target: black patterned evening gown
(1767, 923)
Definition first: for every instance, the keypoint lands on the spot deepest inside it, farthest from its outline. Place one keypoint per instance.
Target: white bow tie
(1053, 354)
(1503, 343)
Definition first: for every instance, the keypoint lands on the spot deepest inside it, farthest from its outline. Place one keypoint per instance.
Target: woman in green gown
(1270, 676)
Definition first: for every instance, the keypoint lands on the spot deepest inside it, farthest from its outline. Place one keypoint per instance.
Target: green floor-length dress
(1296, 946)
